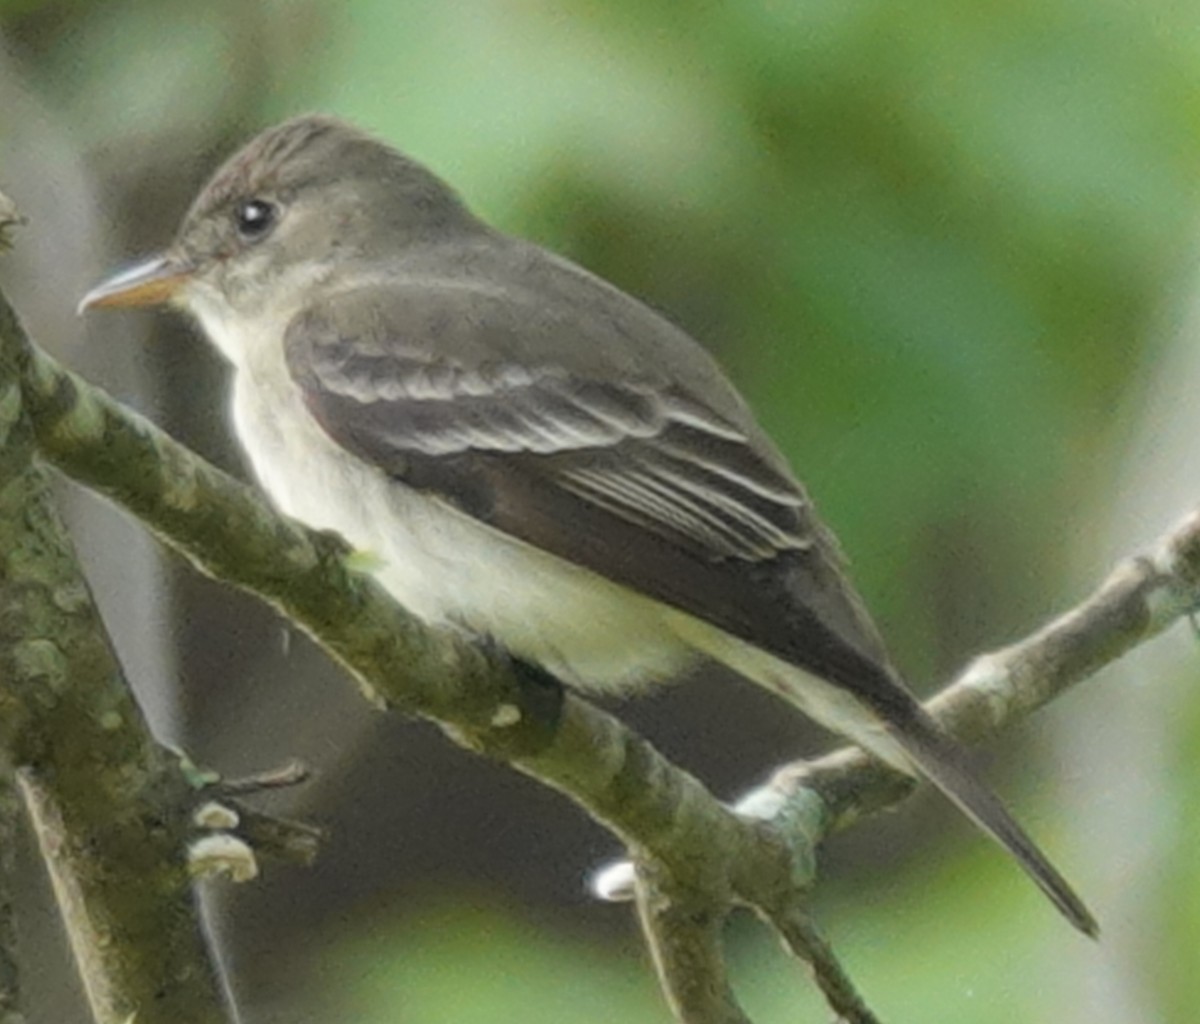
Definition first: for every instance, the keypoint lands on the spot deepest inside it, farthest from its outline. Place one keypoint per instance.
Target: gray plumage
(532, 453)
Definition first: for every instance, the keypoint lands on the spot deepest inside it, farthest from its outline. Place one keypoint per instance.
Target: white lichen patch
(10, 409)
(71, 597)
(215, 816)
(10, 217)
(506, 715)
(616, 883)
(41, 660)
(222, 854)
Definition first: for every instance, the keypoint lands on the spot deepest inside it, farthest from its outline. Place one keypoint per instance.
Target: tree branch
(683, 930)
(105, 800)
(228, 531)
(1141, 598)
(10, 973)
(802, 938)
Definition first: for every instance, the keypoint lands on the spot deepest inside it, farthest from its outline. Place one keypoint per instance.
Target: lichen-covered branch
(104, 799)
(10, 962)
(228, 531)
(1141, 598)
(790, 917)
(683, 930)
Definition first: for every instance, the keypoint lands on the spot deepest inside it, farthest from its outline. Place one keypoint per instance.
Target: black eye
(254, 217)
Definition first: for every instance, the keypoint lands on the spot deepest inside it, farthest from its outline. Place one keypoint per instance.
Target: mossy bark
(109, 806)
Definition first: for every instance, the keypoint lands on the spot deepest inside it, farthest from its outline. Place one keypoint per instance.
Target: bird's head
(300, 204)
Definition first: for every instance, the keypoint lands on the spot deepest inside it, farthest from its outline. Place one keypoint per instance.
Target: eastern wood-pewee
(531, 453)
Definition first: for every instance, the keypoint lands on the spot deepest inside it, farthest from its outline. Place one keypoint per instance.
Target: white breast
(440, 564)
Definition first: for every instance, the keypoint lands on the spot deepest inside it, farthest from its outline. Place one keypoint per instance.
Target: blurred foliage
(935, 242)
(930, 239)
(507, 969)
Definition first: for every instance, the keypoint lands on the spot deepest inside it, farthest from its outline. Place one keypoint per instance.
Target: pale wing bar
(666, 463)
(442, 409)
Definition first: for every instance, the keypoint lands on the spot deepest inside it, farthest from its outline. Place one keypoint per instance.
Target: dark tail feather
(944, 763)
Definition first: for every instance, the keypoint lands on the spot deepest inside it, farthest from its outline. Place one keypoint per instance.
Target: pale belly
(449, 568)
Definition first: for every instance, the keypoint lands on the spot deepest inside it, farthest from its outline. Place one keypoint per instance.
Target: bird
(527, 452)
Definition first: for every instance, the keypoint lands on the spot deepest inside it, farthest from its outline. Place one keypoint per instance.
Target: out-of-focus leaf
(480, 966)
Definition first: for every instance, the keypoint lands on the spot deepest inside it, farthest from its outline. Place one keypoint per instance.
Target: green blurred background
(946, 249)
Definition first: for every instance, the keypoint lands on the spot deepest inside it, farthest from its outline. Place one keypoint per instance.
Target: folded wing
(627, 476)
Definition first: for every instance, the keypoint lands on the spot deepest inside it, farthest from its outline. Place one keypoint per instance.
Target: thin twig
(1141, 598)
(293, 842)
(286, 776)
(683, 930)
(804, 940)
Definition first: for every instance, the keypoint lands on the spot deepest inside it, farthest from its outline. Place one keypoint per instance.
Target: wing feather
(646, 454)
(626, 474)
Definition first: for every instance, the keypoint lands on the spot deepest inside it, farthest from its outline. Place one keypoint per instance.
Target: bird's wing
(630, 478)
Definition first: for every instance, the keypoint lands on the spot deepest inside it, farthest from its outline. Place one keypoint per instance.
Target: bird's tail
(905, 737)
(941, 760)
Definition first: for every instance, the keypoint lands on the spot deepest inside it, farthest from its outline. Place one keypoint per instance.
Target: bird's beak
(149, 283)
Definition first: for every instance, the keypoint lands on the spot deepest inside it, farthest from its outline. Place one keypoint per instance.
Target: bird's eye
(254, 218)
